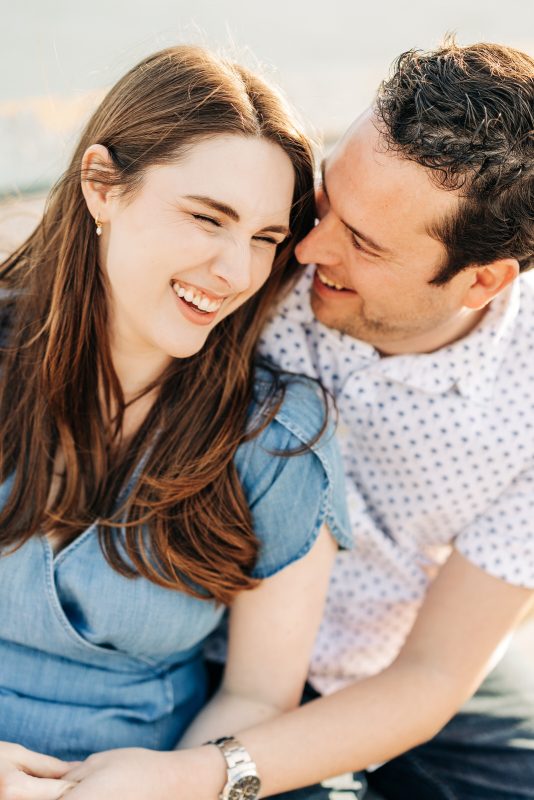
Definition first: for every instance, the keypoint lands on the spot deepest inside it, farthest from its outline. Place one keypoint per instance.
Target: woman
(150, 476)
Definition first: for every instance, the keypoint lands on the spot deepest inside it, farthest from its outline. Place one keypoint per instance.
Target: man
(414, 314)
(416, 318)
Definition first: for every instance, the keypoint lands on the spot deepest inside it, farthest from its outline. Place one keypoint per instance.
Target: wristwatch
(243, 782)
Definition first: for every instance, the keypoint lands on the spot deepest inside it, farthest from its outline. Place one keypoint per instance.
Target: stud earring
(98, 226)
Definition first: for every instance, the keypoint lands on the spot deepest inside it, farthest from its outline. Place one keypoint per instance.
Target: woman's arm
(271, 634)
(272, 630)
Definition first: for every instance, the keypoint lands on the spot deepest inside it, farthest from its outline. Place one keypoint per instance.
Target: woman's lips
(200, 298)
(192, 313)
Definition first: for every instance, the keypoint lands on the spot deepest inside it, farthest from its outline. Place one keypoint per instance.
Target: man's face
(373, 242)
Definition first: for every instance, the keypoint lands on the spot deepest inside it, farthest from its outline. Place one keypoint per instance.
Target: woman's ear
(96, 162)
(489, 280)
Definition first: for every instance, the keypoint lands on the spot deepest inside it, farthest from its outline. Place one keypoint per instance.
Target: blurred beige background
(57, 57)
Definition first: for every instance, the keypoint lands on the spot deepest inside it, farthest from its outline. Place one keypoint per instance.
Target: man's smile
(327, 286)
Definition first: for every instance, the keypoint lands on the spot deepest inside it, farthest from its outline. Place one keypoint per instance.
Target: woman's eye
(204, 218)
(266, 239)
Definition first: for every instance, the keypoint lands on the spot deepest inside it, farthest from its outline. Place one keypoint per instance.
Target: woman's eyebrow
(215, 204)
(230, 212)
(276, 229)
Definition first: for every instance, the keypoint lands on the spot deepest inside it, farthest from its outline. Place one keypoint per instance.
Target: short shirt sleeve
(501, 541)
(290, 497)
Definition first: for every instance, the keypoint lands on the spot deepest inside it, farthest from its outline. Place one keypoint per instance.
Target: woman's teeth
(328, 282)
(197, 299)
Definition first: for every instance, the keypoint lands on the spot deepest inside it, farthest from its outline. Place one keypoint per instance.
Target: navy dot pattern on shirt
(438, 451)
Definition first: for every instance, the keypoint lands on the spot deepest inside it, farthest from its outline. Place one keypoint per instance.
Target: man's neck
(429, 342)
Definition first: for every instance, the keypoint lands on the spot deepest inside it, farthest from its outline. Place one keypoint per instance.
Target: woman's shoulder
(303, 412)
(291, 471)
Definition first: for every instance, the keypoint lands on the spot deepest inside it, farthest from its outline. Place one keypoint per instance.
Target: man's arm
(466, 615)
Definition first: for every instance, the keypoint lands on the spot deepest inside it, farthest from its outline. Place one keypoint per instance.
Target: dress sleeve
(501, 540)
(291, 496)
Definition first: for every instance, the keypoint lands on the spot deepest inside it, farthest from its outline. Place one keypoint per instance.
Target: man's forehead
(362, 176)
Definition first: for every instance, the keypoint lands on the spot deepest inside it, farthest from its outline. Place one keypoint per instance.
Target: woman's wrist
(198, 772)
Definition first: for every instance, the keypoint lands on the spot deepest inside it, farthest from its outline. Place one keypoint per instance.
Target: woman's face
(196, 241)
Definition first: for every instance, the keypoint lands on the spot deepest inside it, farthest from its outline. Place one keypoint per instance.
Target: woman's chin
(186, 349)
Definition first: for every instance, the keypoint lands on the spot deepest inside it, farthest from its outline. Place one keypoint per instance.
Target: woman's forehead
(250, 175)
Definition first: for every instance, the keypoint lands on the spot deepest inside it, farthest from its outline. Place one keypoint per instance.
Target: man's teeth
(199, 300)
(328, 282)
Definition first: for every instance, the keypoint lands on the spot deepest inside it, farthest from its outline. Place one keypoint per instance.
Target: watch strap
(240, 769)
(233, 751)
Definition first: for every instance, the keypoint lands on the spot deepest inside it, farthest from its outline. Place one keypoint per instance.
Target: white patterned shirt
(438, 451)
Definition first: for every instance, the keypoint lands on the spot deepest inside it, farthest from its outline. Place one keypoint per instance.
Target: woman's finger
(78, 773)
(34, 763)
(26, 787)
(43, 766)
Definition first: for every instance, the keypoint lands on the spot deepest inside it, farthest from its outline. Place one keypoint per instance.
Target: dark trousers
(486, 752)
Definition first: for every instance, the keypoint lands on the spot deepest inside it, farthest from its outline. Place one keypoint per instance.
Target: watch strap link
(232, 750)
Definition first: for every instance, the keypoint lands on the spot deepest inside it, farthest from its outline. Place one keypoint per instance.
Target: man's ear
(96, 162)
(488, 280)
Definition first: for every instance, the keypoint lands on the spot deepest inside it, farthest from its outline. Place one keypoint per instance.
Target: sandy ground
(17, 219)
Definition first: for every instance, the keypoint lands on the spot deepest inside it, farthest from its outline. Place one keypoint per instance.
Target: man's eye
(356, 243)
(357, 246)
(204, 218)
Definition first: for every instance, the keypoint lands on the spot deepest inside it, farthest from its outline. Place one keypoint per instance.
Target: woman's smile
(195, 305)
(200, 298)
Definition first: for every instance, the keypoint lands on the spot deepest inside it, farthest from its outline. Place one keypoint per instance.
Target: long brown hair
(57, 367)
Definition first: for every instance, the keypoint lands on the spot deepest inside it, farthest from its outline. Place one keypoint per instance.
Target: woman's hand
(25, 775)
(139, 774)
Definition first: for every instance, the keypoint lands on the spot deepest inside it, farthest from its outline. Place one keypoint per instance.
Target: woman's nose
(233, 266)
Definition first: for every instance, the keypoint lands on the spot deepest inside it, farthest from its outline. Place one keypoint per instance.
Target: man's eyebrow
(230, 212)
(366, 239)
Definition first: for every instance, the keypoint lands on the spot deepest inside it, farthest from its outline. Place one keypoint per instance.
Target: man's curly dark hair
(467, 115)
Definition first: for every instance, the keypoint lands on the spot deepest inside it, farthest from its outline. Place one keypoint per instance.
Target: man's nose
(320, 246)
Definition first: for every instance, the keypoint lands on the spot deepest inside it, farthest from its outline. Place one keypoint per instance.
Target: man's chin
(353, 325)
(320, 309)
(325, 315)
(328, 316)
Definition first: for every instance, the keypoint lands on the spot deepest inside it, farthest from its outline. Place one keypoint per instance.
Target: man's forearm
(226, 712)
(367, 723)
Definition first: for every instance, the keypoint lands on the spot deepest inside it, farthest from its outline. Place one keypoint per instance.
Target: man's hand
(25, 775)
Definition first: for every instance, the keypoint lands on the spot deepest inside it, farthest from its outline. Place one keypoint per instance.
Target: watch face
(245, 788)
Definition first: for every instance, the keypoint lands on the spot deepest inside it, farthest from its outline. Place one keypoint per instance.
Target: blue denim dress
(91, 660)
